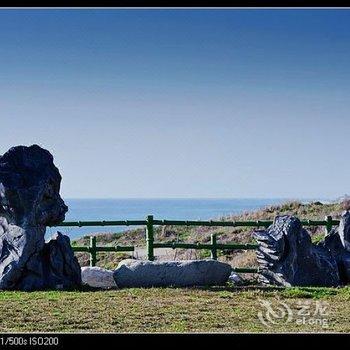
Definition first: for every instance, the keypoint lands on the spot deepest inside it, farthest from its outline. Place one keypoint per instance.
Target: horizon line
(204, 198)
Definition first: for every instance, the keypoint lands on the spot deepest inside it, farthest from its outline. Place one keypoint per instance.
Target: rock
(136, 273)
(30, 201)
(97, 277)
(338, 244)
(287, 256)
(344, 230)
(236, 279)
(61, 267)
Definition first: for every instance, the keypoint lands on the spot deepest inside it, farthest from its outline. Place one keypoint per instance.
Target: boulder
(97, 277)
(287, 256)
(29, 202)
(337, 242)
(136, 273)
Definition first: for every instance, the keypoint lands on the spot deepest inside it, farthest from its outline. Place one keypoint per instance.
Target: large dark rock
(287, 256)
(338, 244)
(30, 201)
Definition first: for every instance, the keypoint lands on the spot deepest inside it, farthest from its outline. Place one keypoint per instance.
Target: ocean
(138, 209)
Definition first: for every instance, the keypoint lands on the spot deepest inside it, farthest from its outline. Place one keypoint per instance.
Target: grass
(215, 309)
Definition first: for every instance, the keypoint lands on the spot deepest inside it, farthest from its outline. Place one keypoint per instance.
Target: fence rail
(151, 244)
(93, 249)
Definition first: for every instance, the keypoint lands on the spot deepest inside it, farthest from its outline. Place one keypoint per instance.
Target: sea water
(138, 209)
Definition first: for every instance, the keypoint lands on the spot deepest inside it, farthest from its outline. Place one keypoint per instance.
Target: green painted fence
(151, 244)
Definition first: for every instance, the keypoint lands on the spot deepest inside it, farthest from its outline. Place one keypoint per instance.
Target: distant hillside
(136, 237)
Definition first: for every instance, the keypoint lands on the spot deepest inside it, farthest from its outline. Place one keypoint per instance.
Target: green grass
(216, 309)
(314, 293)
(317, 238)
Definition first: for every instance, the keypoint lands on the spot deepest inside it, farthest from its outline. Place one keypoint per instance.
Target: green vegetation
(219, 309)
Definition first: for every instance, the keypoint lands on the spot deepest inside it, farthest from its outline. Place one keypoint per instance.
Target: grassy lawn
(169, 310)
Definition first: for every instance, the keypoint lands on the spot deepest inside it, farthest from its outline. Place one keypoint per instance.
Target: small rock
(236, 279)
(97, 277)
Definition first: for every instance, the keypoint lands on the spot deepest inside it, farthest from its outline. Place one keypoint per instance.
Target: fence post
(150, 237)
(214, 255)
(328, 224)
(93, 251)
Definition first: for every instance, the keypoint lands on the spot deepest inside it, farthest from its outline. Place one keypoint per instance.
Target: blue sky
(181, 103)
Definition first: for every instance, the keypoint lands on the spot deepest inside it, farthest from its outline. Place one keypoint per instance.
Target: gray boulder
(30, 201)
(337, 242)
(287, 256)
(136, 273)
(97, 277)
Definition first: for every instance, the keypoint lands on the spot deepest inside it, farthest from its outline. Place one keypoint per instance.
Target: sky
(181, 103)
